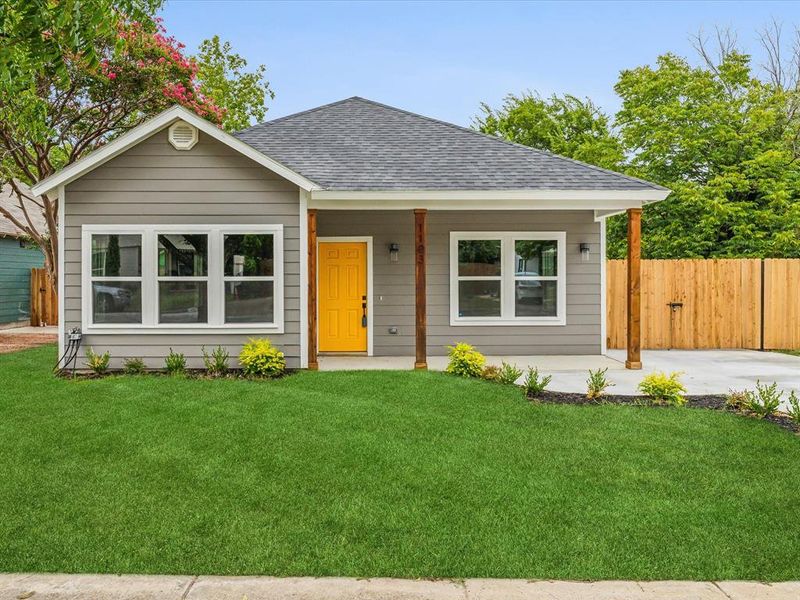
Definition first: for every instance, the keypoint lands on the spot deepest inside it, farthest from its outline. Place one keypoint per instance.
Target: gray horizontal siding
(394, 282)
(152, 183)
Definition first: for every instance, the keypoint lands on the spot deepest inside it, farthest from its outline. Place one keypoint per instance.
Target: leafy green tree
(565, 125)
(34, 33)
(725, 142)
(723, 139)
(92, 75)
(223, 78)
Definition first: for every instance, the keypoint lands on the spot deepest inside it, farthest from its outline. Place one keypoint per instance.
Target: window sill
(543, 322)
(186, 330)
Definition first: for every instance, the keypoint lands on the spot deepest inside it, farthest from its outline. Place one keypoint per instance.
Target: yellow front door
(342, 296)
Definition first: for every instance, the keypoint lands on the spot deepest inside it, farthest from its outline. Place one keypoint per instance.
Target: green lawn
(790, 352)
(382, 474)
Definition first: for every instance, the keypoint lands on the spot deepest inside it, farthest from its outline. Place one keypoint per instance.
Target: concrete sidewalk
(177, 587)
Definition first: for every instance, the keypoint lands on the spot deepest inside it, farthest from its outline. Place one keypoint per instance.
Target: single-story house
(354, 227)
(18, 255)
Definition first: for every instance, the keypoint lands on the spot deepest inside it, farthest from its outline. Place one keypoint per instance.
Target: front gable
(155, 125)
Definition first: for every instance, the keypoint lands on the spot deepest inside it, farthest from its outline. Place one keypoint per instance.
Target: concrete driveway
(704, 371)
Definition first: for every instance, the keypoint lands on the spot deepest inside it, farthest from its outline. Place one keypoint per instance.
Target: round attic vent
(182, 135)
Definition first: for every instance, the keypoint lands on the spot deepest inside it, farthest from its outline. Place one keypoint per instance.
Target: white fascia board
(154, 125)
(477, 200)
(602, 215)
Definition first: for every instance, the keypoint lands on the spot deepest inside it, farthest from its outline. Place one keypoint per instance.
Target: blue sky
(444, 59)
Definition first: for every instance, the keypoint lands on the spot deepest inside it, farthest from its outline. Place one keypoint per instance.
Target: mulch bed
(11, 342)
(710, 402)
(82, 373)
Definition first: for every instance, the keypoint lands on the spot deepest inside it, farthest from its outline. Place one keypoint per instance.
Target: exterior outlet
(182, 136)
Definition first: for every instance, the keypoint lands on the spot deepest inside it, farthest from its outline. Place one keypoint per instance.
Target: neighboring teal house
(17, 258)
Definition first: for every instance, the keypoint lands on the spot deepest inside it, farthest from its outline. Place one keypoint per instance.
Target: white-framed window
(182, 279)
(507, 278)
(115, 272)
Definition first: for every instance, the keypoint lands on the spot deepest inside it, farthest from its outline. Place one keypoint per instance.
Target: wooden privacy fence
(44, 305)
(695, 304)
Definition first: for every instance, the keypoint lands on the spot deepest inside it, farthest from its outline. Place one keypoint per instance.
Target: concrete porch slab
(439, 363)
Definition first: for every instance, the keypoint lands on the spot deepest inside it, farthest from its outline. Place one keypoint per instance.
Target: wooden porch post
(420, 242)
(313, 364)
(634, 360)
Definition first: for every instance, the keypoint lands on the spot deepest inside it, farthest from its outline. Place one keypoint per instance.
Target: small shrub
(259, 358)
(133, 366)
(97, 362)
(490, 373)
(597, 384)
(175, 363)
(738, 399)
(794, 407)
(664, 389)
(509, 373)
(216, 362)
(534, 384)
(465, 361)
(765, 401)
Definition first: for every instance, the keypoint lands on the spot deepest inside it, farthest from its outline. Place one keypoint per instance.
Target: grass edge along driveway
(401, 474)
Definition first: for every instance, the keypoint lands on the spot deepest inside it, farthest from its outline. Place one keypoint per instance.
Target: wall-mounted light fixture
(584, 252)
(394, 251)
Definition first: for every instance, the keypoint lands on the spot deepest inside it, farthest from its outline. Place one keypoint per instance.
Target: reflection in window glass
(183, 255)
(116, 301)
(479, 298)
(536, 257)
(249, 302)
(249, 255)
(182, 302)
(479, 258)
(535, 298)
(116, 255)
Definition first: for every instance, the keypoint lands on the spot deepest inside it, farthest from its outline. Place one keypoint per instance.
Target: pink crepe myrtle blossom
(155, 59)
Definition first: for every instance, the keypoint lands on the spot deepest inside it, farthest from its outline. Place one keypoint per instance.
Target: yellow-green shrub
(97, 362)
(664, 389)
(490, 372)
(465, 361)
(259, 358)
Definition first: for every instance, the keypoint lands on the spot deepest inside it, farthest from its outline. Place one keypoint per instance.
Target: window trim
(508, 278)
(245, 278)
(88, 267)
(150, 279)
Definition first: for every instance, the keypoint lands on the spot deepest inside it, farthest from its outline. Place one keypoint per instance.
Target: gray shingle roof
(358, 144)
(9, 201)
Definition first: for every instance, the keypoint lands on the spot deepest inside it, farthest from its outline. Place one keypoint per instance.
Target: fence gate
(717, 303)
(44, 304)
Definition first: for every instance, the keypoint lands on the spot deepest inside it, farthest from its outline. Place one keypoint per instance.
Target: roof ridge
(297, 114)
(505, 141)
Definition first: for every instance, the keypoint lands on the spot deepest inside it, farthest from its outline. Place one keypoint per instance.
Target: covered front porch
(545, 363)
(406, 305)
